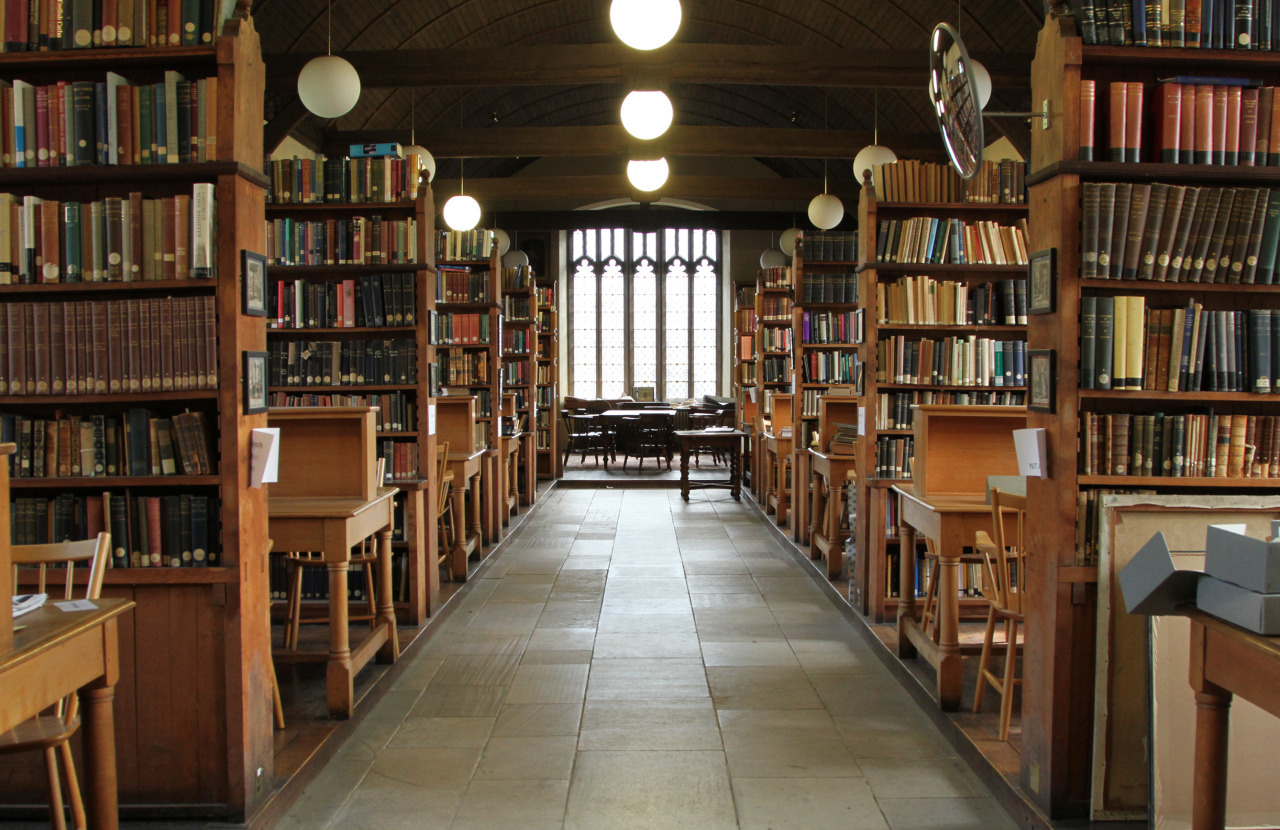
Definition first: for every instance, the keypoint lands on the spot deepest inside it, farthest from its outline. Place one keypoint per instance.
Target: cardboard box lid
(1152, 584)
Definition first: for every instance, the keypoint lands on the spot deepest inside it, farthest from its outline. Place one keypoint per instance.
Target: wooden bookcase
(1059, 655)
(193, 703)
(403, 437)
(486, 351)
(773, 352)
(550, 464)
(520, 368)
(744, 370)
(875, 534)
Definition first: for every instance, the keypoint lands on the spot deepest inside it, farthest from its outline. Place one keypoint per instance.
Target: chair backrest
(1004, 552)
(57, 562)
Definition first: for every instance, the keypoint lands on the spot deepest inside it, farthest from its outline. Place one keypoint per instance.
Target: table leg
(735, 468)
(780, 488)
(835, 540)
(477, 528)
(766, 478)
(817, 504)
(458, 561)
(98, 730)
(424, 576)
(907, 587)
(1209, 788)
(949, 668)
(684, 469)
(340, 692)
(390, 650)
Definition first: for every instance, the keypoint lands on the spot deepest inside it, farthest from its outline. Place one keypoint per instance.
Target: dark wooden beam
(643, 218)
(287, 120)
(733, 142)
(612, 63)
(603, 188)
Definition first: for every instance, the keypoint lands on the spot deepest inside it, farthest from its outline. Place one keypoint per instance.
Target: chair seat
(37, 733)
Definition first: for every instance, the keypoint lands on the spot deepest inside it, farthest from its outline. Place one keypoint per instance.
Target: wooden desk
(55, 653)
(1225, 661)
(730, 440)
(950, 523)
(777, 496)
(332, 526)
(466, 508)
(827, 507)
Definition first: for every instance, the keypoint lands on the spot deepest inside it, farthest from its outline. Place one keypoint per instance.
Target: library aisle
(632, 661)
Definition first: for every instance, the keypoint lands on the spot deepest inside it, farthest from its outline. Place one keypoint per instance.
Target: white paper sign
(264, 456)
(862, 420)
(431, 419)
(76, 605)
(1031, 446)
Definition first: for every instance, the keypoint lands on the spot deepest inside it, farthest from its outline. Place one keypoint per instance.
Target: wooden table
(55, 653)
(730, 440)
(333, 526)
(950, 523)
(465, 498)
(829, 473)
(1225, 660)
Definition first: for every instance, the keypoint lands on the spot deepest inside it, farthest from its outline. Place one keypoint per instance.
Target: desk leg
(477, 524)
(835, 539)
(424, 575)
(338, 675)
(684, 470)
(780, 488)
(907, 587)
(1209, 788)
(735, 468)
(390, 650)
(817, 507)
(99, 740)
(458, 560)
(950, 679)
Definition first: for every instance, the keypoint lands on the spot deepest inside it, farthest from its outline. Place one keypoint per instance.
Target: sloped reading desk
(328, 500)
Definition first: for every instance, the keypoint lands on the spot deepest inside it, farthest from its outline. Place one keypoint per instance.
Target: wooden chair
(52, 732)
(584, 434)
(1003, 571)
(445, 519)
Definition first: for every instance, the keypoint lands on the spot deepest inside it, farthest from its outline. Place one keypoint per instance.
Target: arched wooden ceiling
(516, 37)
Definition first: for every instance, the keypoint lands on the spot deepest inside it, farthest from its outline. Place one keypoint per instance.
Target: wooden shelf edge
(110, 397)
(126, 174)
(112, 482)
(945, 268)
(985, 207)
(106, 286)
(280, 208)
(170, 576)
(1175, 397)
(1209, 174)
(353, 269)
(1181, 287)
(1173, 481)
(400, 387)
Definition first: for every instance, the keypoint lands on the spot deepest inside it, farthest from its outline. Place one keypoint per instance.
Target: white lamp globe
(787, 242)
(329, 86)
(426, 161)
(826, 211)
(645, 24)
(981, 83)
(462, 213)
(870, 156)
(647, 114)
(501, 241)
(648, 175)
(515, 259)
(773, 258)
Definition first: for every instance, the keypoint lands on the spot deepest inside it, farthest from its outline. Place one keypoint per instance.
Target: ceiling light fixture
(789, 239)
(825, 210)
(329, 86)
(647, 114)
(426, 161)
(645, 24)
(648, 174)
(462, 213)
(501, 241)
(981, 77)
(772, 257)
(873, 153)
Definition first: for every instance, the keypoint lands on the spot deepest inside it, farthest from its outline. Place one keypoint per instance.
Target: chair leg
(984, 661)
(56, 815)
(1010, 668)
(370, 600)
(295, 610)
(277, 706)
(73, 786)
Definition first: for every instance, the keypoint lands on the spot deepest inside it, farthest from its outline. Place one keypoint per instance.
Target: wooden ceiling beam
(610, 63)
(600, 188)
(730, 142)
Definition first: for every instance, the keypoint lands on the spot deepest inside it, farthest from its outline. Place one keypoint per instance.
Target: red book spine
(1231, 125)
(1133, 121)
(1088, 103)
(1218, 141)
(42, 126)
(1204, 124)
(1116, 134)
(1248, 126)
(1170, 132)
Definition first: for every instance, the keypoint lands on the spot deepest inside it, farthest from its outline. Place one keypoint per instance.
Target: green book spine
(1104, 350)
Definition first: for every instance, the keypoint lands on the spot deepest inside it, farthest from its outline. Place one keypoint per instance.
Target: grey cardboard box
(1241, 560)
(1250, 610)
(1151, 584)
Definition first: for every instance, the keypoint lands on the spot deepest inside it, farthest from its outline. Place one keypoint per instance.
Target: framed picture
(1040, 382)
(255, 382)
(643, 394)
(253, 275)
(1042, 281)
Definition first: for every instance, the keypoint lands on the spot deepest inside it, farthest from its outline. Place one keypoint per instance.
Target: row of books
(925, 301)
(312, 584)
(401, 458)
(81, 123)
(484, 403)
(1124, 345)
(952, 361)
(744, 319)
(135, 443)
(515, 373)
(969, 576)
(775, 369)
(546, 321)
(1090, 504)
(829, 246)
(843, 439)
(516, 342)
(175, 530)
(820, 327)
(773, 309)
(747, 374)
(928, 239)
(463, 285)
(49, 25)
(341, 180)
(810, 402)
(546, 379)
(775, 339)
(829, 288)
(516, 308)
(341, 363)
(775, 278)
(830, 367)
(97, 347)
(546, 296)
(397, 412)
(516, 279)
(356, 240)
(458, 328)
(893, 409)
(371, 301)
(927, 182)
(894, 455)
(1172, 233)
(462, 368)
(546, 397)
(117, 239)
(1206, 24)
(1209, 445)
(461, 246)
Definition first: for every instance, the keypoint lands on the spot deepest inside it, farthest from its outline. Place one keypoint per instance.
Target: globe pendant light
(426, 161)
(873, 154)
(501, 241)
(515, 259)
(981, 83)
(648, 175)
(645, 24)
(788, 241)
(329, 86)
(825, 210)
(773, 258)
(647, 114)
(462, 213)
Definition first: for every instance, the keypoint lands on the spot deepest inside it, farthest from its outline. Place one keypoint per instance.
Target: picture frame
(643, 394)
(1041, 370)
(254, 382)
(253, 279)
(1042, 281)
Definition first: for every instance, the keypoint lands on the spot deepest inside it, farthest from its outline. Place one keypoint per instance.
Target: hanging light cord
(875, 115)
(329, 36)
(825, 102)
(462, 160)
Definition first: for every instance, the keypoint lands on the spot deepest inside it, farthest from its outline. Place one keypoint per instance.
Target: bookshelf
(349, 277)
(193, 702)
(910, 310)
(550, 464)
(773, 356)
(520, 369)
(1059, 656)
(744, 370)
